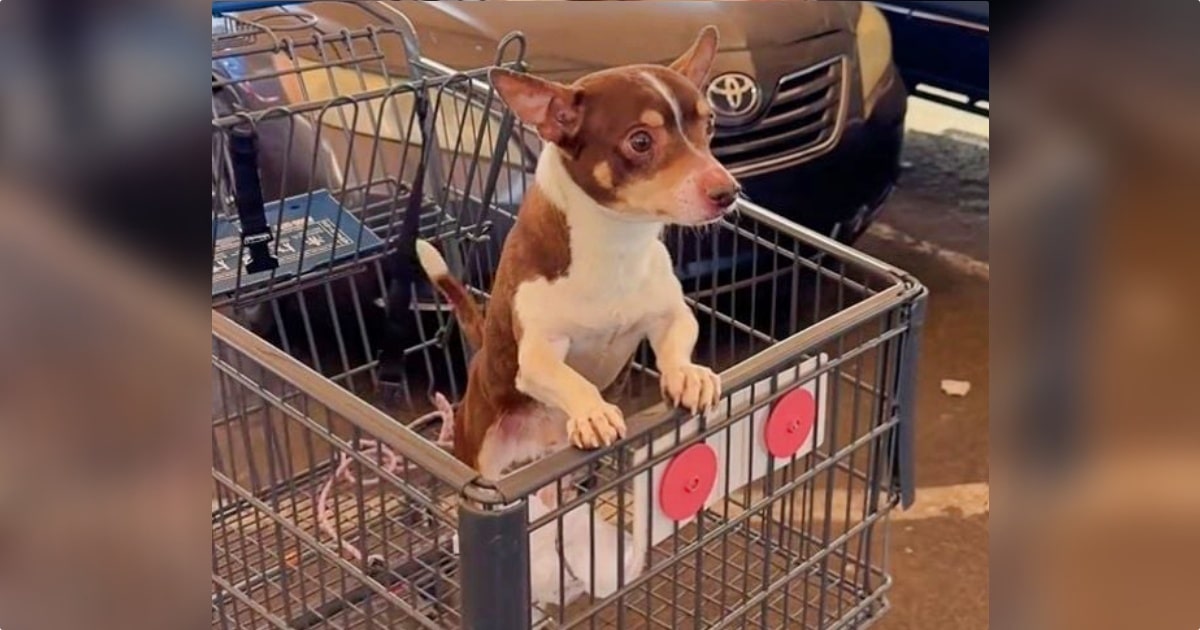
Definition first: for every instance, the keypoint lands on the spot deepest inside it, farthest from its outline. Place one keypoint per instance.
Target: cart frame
(467, 541)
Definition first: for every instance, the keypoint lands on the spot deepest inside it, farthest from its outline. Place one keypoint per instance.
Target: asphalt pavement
(936, 227)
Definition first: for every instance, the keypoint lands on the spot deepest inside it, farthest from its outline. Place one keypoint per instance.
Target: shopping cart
(333, 504)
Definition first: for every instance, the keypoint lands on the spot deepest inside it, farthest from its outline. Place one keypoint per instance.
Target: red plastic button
(791, 423)
(687, 482)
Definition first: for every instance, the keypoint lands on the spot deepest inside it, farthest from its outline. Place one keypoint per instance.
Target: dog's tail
(466, 310)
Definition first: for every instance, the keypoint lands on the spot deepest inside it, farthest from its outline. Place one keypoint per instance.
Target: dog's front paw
(692, 386)
(600, 426)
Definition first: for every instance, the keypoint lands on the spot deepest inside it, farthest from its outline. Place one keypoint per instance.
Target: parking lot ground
(936, 227)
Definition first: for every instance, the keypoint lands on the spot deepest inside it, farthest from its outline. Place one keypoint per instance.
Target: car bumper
(840, 192)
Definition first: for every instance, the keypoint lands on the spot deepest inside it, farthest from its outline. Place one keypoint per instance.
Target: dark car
(941, 50)
(810, 106)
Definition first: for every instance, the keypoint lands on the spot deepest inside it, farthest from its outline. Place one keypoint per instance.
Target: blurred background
(1091, 436)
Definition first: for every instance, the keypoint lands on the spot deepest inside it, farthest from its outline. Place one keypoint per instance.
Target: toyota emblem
(733, 94)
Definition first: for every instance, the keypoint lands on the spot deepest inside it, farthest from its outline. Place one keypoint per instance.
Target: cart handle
(221, 8)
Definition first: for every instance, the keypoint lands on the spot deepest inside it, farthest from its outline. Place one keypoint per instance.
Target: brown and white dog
(584, 276)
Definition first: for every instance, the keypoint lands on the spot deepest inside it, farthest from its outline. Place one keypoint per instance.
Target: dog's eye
(640, 141)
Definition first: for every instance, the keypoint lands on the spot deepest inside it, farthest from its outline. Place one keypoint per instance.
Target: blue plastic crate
(221, 8)
(328, 235)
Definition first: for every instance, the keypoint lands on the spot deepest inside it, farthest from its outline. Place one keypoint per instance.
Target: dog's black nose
(725, 196)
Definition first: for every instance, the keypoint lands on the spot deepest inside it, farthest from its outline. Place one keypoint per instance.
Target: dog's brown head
(634, 138)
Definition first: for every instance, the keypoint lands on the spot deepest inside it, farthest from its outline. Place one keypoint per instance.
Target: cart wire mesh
(333, 504)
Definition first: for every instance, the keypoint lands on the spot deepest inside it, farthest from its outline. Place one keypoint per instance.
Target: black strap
(402, 263)
(243, 157)
(256, 235)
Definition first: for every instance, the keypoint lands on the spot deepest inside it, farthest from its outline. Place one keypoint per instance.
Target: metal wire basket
(333, 504)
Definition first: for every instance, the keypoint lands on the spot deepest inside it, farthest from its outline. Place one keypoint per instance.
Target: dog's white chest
(602, 312)
(600, 357)
(597, 312)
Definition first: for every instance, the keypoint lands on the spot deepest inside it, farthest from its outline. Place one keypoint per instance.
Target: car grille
(802, 114)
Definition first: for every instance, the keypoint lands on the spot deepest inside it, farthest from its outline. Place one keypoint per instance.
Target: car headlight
(874, 42)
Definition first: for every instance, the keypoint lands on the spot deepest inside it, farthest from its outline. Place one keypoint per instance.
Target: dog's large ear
(554, 109)
(698, 60)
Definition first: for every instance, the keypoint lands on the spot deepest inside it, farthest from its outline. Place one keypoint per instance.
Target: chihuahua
(584, 276)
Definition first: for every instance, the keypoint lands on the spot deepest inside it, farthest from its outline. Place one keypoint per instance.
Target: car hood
(568, 39)
(579, 37)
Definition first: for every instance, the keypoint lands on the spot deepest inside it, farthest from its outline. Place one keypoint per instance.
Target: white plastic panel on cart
(647, 488)
(750, 457)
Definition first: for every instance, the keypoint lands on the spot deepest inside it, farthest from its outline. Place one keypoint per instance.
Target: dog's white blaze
(673, 102)
(662, 89)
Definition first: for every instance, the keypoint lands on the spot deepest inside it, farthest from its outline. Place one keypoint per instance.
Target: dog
(584, 276)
